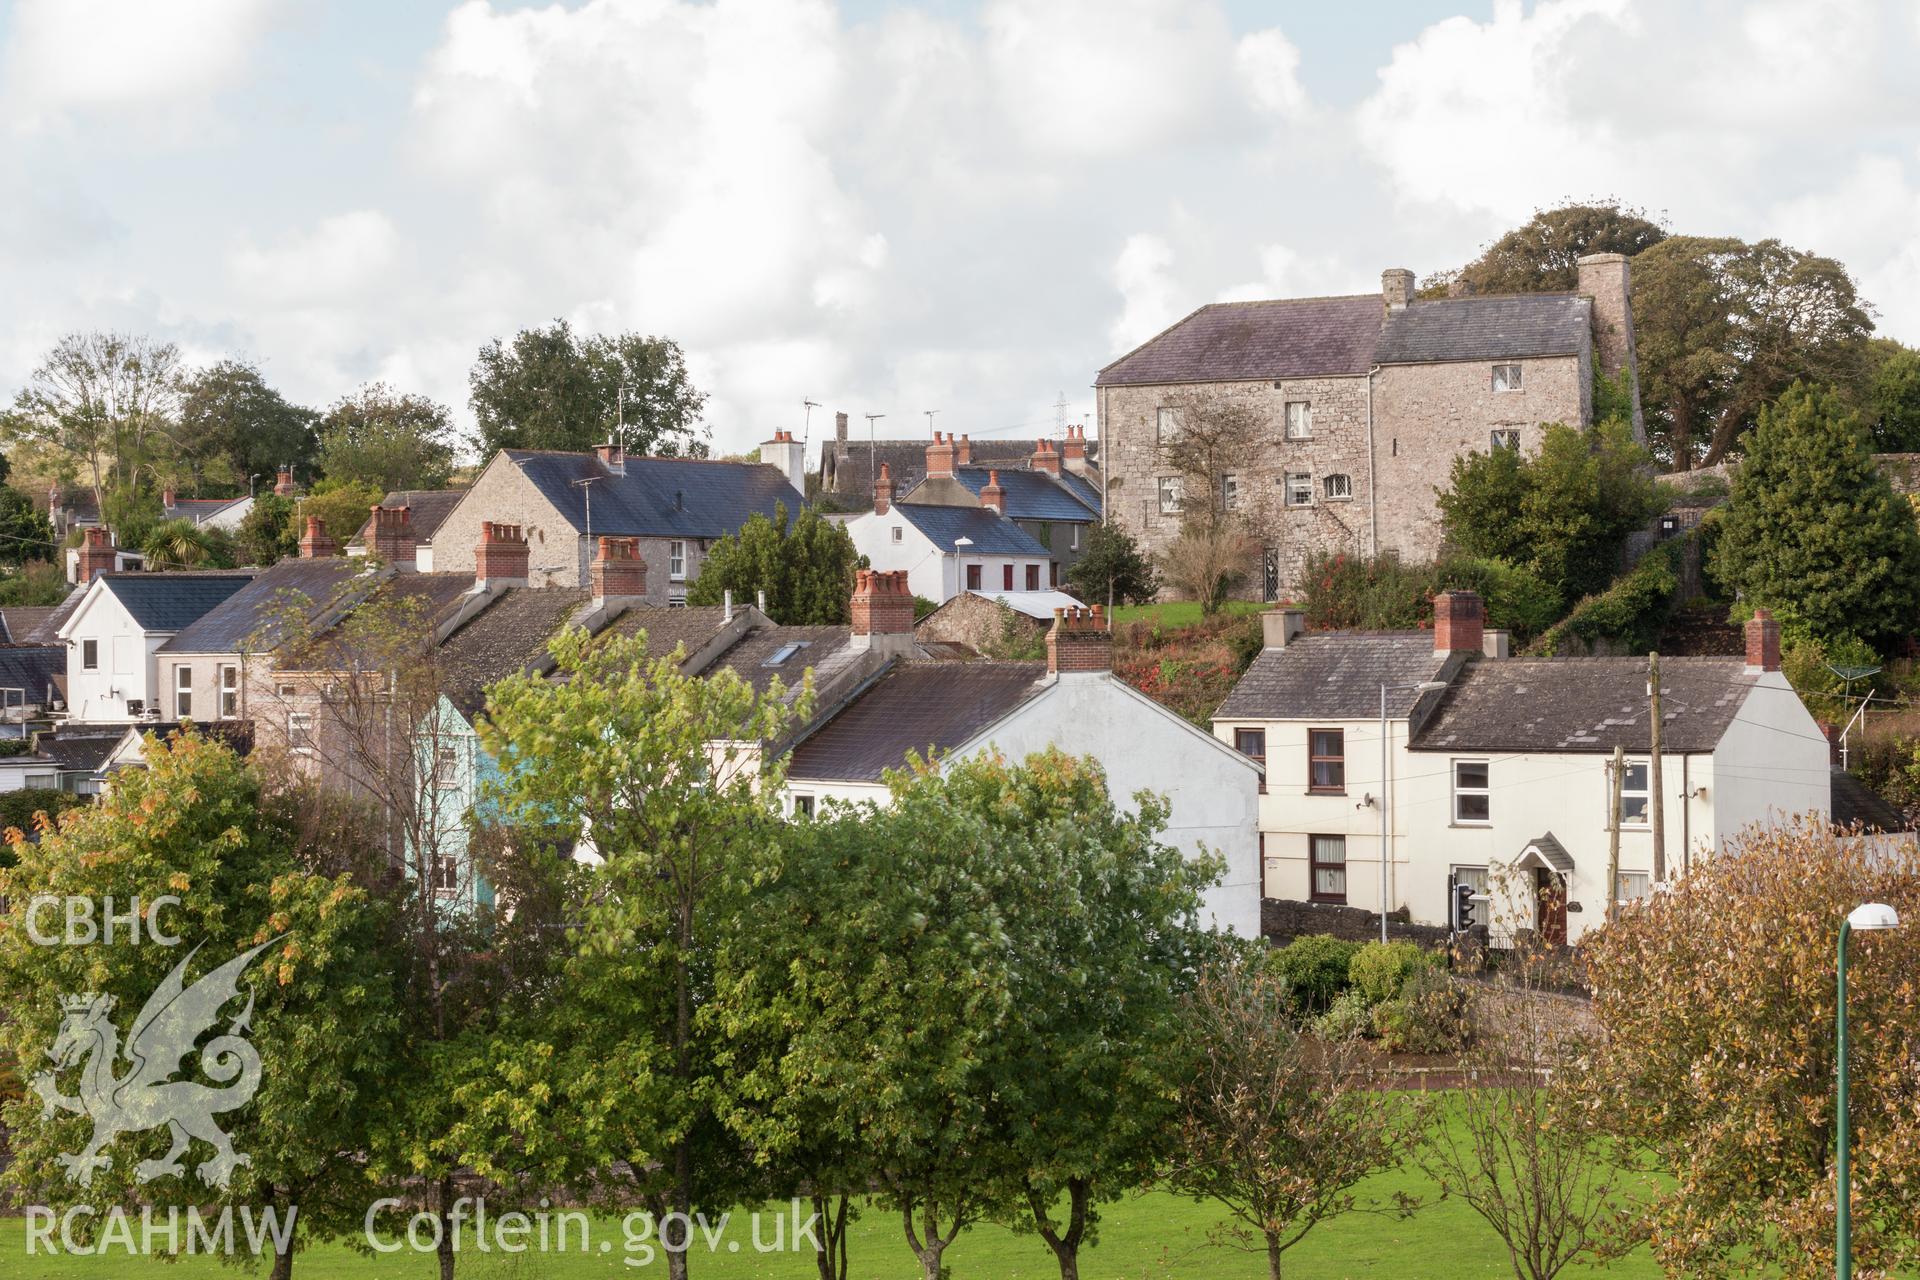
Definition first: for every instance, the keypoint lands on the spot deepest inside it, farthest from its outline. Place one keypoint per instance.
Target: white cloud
(121, 55)
(1268, 65)
(1143, 275)
(1867, 221)
(345, 258)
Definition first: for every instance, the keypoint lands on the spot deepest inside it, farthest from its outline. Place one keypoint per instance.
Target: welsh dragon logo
(145, 1096)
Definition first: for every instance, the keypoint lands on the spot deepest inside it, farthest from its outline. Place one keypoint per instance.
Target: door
(1550, 906)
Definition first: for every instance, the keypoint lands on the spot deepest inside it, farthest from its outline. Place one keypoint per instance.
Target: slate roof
(1485, 328)
(20, 621)
(1856, 803)
(915, 706)
(47, 630)
(1335, 675)
(823, 649)
(1585, 705)
(198, 509)
(80, 748)
(32, 667)
(1246, 341)
(429, 599)
(846, 469)
(1082, 488)
(507, 637)
(668, 628)
(992, 534)
(429, 507)
(259, 615)
(1031, 495)
(1553, 851)
(163, 602)
(657, 497)
(1344, 336)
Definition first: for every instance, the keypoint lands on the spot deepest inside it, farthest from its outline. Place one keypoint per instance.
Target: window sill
(1340, 901)
(1472, 824)
(1326, 791)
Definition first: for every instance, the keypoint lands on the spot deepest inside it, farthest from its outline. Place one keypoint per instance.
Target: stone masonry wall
(1425, 416)
(981, 624)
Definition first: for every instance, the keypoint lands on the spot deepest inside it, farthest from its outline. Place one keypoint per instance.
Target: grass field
(1178, 613)
(1152, 1237)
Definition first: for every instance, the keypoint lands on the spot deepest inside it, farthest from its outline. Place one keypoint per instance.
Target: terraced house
(1364, 402)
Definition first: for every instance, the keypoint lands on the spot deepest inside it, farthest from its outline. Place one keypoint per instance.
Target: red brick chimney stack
(284, 484)
(618, 571)
(392, 537)
(1763, 641)
(883, 491)
(1044, 458)
(500, 557)
(315, 543)
(1073, 454)
(940, 458)
(993, 496)
(96, 556)
(882, 609)
(1079, 642)
(962, 451)
(1459, 622)
(612, 457)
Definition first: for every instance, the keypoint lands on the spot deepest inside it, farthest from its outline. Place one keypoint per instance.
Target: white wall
(1771, 763)
(127, 666)
(931, 572)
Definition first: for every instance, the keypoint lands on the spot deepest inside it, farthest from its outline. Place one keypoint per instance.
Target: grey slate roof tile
(992, 534)
(657, 497)
(427, 508)
(915, 706)
(172, 601)
(1485, 328)
(257, 616)
(1334, 675)
(1586, 705)
(32, 667)
(1030, 495)
(1244, 341)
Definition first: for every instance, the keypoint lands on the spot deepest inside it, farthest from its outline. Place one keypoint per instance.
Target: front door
(1550, 906)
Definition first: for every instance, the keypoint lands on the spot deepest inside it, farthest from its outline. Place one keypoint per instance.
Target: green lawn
(1153, 1237)
(1178, 613)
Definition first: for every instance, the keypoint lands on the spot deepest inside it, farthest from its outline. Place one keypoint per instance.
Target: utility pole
(1658, 797)
(1619, 771)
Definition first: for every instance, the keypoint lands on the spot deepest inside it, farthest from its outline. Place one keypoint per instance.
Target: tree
(234, 428)
(25, 533)
(1723, 327)
(1275, 1128)
(1562, 513)
(196, 824)
(390, 440)
(176, 544)
(1893, 398)
(1814, 530)
(1716, 1059)
(1208, 564)
(266, 533)
(1543, 256)
(552, 389)
(1514, 1142)
(660, 774)
(107, 400)
(342, 506)
(38, 582)
(805, 566)
(1114, 569)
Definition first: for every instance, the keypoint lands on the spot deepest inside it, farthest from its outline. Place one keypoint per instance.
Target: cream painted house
(1498, 775)
(945, 549)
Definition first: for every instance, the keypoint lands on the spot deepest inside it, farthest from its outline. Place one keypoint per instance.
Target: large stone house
(1366, 400)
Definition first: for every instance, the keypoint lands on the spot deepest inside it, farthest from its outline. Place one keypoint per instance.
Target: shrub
(1429, 1015)
(1314, 969)
(1380, 969)
(17, 808)
(1384, 593)
(1631, 613)
(1347, 1017)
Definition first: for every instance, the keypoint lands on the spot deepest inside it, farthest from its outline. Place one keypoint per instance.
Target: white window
(89, 655)
(1475, 879)
(676, 600)
(1172, 493)
(1506, 377)
(182, 692)
(43, 781)
(1631, 886)
(1634, 802)
(677, 561)
(229, 693)
(803, 806)
(1230, 492)
(1339, 486)
(1073, 543)
(1166, 423)
(1299, 420)
(284, 690)
(1472, 798)
(1299, 491)
(300, 731)
(1506, 437)
(446, 874)
(446, 767)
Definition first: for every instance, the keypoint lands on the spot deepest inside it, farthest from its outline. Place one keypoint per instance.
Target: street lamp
(1424, 686)
(1868, 915)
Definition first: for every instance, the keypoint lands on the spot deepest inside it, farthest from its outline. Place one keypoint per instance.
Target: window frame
(974, 577)
(1166, 422)
(90, 655)
(1006, 576)
(1484, 791)
(1305, 416)
(1346, 483)
(1643, 793)
(803, 805)
(899, 534)
(1516, 378)
(1314, 866)
(1511, 440)
(300, 732)
(1241, 738)
(1621, 897)
(1173, 495)
(1484, 873)
(1317, 757)
(676, 560)
(1289, 496)
(227, 691)
(1229, 491)
(446, 767)
(183, 692)
(1033, 577)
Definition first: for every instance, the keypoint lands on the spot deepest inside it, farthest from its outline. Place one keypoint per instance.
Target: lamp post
(1424, 686)
(1868, 915)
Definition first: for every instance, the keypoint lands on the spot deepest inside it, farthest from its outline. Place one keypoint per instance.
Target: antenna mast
(873, 449)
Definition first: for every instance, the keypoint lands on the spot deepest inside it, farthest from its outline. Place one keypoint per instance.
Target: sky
(966, 206)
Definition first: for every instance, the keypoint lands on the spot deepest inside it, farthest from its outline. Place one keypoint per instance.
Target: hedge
(1631, 613)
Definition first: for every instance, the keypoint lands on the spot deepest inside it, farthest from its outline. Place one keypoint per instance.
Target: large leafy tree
(266, 532)
(388, 439)
(659, 774)
(805, 566)
(106, 400)
(197, 825)
(1893, 398)
(554, 389)
(1543, 256)
(1723, 327)
(234, 428)
(1813, 529)
(1561, 513)
(1716, 1002)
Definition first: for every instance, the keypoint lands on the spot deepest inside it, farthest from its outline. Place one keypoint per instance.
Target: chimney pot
(501, 556)
(883, 491)
(940, 458)
(1079, 642)
(393, 538)
(283, 485)
(992, 496)
(612, 456)
(618, 572)
(96, 555)
(882, 609)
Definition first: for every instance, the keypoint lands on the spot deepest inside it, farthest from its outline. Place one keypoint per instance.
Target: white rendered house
(945, 550)
(116, 628)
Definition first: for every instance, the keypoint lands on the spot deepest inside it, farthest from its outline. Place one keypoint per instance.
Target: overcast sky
(885, 207)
